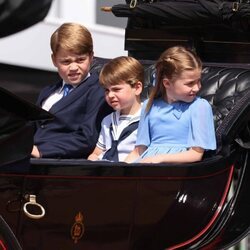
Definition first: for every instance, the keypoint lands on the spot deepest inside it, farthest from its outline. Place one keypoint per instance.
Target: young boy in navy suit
(122, 79)
(75, 101)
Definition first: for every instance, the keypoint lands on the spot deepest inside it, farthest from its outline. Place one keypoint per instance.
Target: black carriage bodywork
(78, 204)
(7, 238)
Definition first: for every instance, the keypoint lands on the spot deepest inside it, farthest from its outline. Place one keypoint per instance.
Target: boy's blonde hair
(72, 37)
(171, 64)
(123, 68)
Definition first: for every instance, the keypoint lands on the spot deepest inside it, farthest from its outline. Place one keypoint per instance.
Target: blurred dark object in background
(17, 15)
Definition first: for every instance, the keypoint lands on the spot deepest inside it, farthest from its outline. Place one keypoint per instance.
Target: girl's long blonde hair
(172, 63)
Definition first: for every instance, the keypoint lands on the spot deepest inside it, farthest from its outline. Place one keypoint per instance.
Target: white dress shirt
(57, 95)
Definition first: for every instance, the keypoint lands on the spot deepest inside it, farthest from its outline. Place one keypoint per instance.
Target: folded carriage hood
(16, 130)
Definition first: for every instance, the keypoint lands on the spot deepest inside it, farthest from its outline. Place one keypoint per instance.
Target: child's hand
(35, 152)
(93, 157)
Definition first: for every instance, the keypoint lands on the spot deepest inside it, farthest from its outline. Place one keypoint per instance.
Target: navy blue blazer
(74, 131)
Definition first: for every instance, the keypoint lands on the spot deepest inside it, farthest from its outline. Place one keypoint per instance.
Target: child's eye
(191, 84)
(81, 60)
(65, 62)
(116, 89)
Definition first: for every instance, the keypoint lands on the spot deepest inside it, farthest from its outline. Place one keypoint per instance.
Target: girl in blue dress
(176, 125)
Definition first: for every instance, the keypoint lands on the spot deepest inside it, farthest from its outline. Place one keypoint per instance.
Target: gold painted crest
(77, 230)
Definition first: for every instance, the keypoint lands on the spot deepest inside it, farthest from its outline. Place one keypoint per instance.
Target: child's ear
(166, 82)
(138, 87)
(53, 58)
(91, 56)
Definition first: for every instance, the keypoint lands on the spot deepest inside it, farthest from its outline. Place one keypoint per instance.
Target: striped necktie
(66, 89)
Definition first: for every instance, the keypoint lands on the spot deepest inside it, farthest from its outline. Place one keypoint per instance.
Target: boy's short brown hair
(123, 68)
(72, 37)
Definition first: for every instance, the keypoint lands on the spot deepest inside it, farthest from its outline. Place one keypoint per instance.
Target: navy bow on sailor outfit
(112, 153)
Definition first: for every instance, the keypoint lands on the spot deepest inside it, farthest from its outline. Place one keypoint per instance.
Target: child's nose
(110, 94)
(196, 87)
(73, 66)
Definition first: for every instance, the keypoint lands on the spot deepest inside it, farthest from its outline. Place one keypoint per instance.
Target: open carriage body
(78, 204)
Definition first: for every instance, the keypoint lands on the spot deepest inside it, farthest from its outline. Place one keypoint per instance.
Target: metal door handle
(32, 202)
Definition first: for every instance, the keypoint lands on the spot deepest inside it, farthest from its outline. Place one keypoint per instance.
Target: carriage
(79, 204)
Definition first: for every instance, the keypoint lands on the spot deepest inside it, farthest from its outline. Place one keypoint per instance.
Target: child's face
(72, 68)
(183, 87)
(124, 97)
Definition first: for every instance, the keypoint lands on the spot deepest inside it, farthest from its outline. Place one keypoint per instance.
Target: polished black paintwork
(124, 207)
(7, 238)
